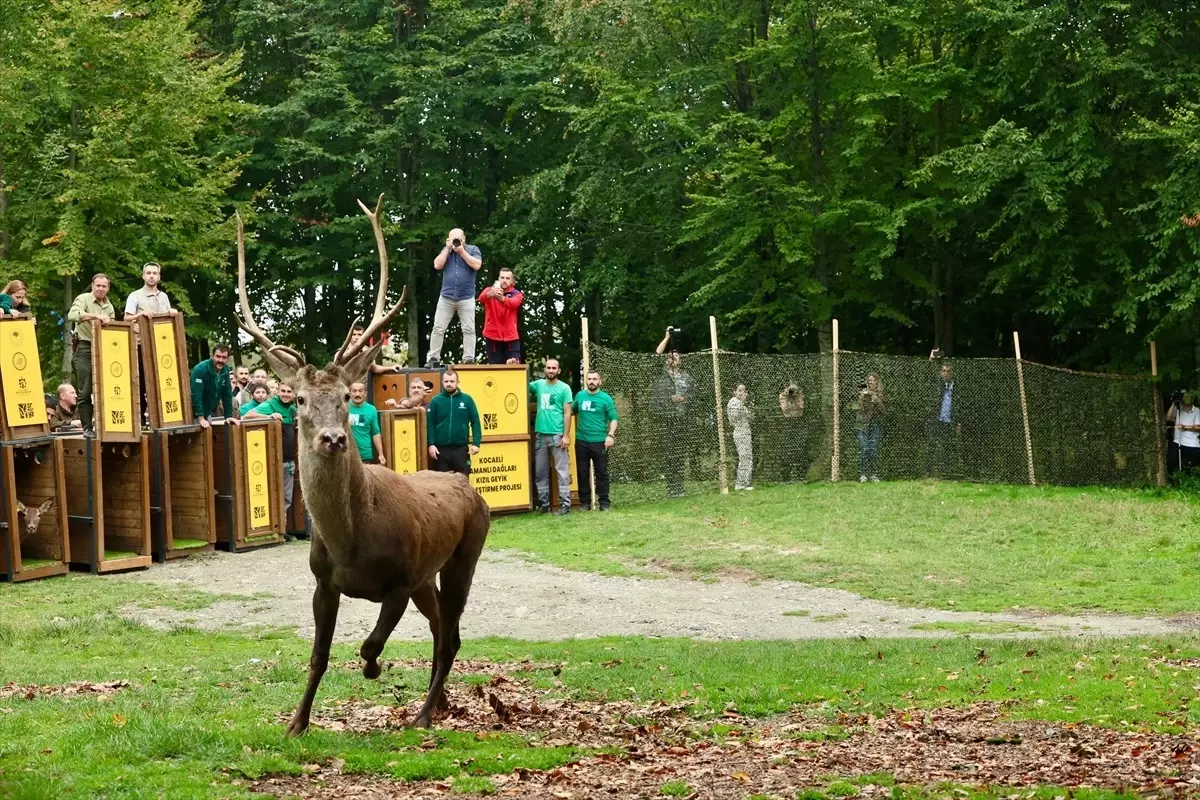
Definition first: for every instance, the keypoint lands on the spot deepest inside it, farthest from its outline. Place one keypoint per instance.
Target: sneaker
(862, 478)
(747, 488)
(563, 510)
(874, 479)
(604, 507)
(584, 507)
(433, 363)
(674, 494)
(543, 509)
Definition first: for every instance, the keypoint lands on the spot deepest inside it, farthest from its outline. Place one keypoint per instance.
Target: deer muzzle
(331, 440)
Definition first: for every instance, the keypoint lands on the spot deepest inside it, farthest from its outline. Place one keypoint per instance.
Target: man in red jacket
(501, 302)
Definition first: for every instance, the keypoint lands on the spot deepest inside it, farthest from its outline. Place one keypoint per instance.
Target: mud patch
(80, 688)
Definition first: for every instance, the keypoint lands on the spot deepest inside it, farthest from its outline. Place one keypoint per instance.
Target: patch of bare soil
(87, 688)
(650, 745)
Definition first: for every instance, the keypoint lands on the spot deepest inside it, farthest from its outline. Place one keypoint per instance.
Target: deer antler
(379, 319)
(286, 356)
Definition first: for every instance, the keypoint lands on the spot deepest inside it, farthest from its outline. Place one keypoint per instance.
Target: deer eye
(299, 401)
(347, 397)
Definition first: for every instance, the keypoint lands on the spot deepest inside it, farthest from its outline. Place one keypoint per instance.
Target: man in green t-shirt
(364, 424)
(595, 432)
(283, 408)
(553, 398)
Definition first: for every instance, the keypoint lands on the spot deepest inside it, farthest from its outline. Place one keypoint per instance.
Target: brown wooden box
(116, 388)
(184, 490)
(165, 366)
(405, 440)
(234, 462)
(394, 385)
(22, 404)
(108, 502)
(33, 473)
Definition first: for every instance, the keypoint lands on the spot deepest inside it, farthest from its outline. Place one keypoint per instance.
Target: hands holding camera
(455, 244)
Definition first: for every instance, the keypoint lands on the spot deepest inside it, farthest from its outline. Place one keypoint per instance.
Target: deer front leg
(389, 616)
(426, 601)
(325, 611)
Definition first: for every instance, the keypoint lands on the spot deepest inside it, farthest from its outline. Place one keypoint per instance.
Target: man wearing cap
(1184, 452)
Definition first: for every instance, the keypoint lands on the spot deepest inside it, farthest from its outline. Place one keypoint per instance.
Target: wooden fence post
(1160, 457)
(722, 477)
(1024, 408)
(835, 465)
(587, 366)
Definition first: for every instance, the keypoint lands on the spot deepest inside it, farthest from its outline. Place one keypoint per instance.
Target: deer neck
(335, 487)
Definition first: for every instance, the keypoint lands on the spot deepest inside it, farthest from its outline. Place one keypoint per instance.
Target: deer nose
(334, 440)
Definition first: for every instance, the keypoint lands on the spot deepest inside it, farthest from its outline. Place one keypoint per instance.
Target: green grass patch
(30, 564)
(975, 627)
(189, 544)
(201, 710)
(836, 617)
(800, 612)
(114, 555)
(942, 545)
(675, 789)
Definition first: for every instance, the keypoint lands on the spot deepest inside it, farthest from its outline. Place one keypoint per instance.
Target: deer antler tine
(385, 320)
(245, 319)
(343, 354)
(381, 246)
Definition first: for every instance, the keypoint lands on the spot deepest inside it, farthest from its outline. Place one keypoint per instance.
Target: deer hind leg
(456, 579)
(392, 610)
(426, 601)
(325, 611)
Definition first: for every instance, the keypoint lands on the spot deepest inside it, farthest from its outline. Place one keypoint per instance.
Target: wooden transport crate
(116, 387)
(32, 473)
(248, 469)
(108, 503)
(394, 385)
(165, 367)
(22, 404)
(184, 513)
(405, 444)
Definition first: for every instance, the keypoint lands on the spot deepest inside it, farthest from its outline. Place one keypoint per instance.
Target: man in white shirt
(1185, 448)
(149, 299)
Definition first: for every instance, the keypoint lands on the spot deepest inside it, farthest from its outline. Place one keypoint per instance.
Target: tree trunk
(69, 297)
(3, 210)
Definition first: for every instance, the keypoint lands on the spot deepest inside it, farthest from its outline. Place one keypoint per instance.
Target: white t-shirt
(1187, 438)
(141, 300)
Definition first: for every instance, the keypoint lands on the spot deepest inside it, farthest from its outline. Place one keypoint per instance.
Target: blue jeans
(868, 450)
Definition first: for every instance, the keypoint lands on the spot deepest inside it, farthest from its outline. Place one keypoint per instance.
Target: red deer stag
(376, 534)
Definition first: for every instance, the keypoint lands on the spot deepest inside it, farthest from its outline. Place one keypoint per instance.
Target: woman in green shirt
(12, 299)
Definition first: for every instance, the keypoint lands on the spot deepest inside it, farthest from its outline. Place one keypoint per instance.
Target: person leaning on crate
(211, 387)
(90, 306)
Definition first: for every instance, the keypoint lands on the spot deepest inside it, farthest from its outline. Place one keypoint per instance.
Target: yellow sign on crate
(502, 397)
(21, 375)
(258, 480)
(405, 444)
(169, 380)
(117, 381)
(500, 474)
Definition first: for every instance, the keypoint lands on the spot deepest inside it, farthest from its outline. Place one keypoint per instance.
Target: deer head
(323, 395)
(33, 516)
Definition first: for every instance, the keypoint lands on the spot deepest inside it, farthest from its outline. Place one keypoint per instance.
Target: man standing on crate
(552, 436)
(87, 308)
(459, 263)
(211, 386)
(453, 421)
(501, 304)
(595, 434)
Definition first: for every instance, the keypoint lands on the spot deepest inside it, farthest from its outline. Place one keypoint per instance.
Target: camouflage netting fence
(1075, 429)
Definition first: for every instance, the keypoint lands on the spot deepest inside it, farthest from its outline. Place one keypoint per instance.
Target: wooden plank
(123, 564)
(48, 571)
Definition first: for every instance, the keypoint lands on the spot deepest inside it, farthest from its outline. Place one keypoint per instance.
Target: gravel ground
(518, 599)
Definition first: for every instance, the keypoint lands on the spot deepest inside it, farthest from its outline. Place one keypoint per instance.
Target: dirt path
(515, 598)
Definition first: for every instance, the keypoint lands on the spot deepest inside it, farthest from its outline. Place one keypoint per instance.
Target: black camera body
(456, 243)
(1176, 397)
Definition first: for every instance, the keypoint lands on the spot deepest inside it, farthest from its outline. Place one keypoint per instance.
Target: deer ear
(44, 507)
(20, 507)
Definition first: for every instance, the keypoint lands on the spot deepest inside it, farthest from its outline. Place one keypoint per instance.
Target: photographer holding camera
(458, 262)
(1184, 450)
(869, 407)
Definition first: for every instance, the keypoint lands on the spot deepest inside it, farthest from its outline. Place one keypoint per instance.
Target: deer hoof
(371, 670)
(297, 728)
(423, 721)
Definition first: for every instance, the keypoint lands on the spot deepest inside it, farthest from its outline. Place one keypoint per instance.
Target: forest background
(927, 171)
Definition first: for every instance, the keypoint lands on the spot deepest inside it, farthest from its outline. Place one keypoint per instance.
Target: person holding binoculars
(459, 263)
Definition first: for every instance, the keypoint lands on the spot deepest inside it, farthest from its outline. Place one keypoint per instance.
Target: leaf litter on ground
(633, 748)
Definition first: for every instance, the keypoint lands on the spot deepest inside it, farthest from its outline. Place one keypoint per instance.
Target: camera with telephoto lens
(1176, 397)
(456, 243)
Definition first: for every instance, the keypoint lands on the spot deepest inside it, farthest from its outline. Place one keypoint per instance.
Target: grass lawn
(200, 716)
(943, 545)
